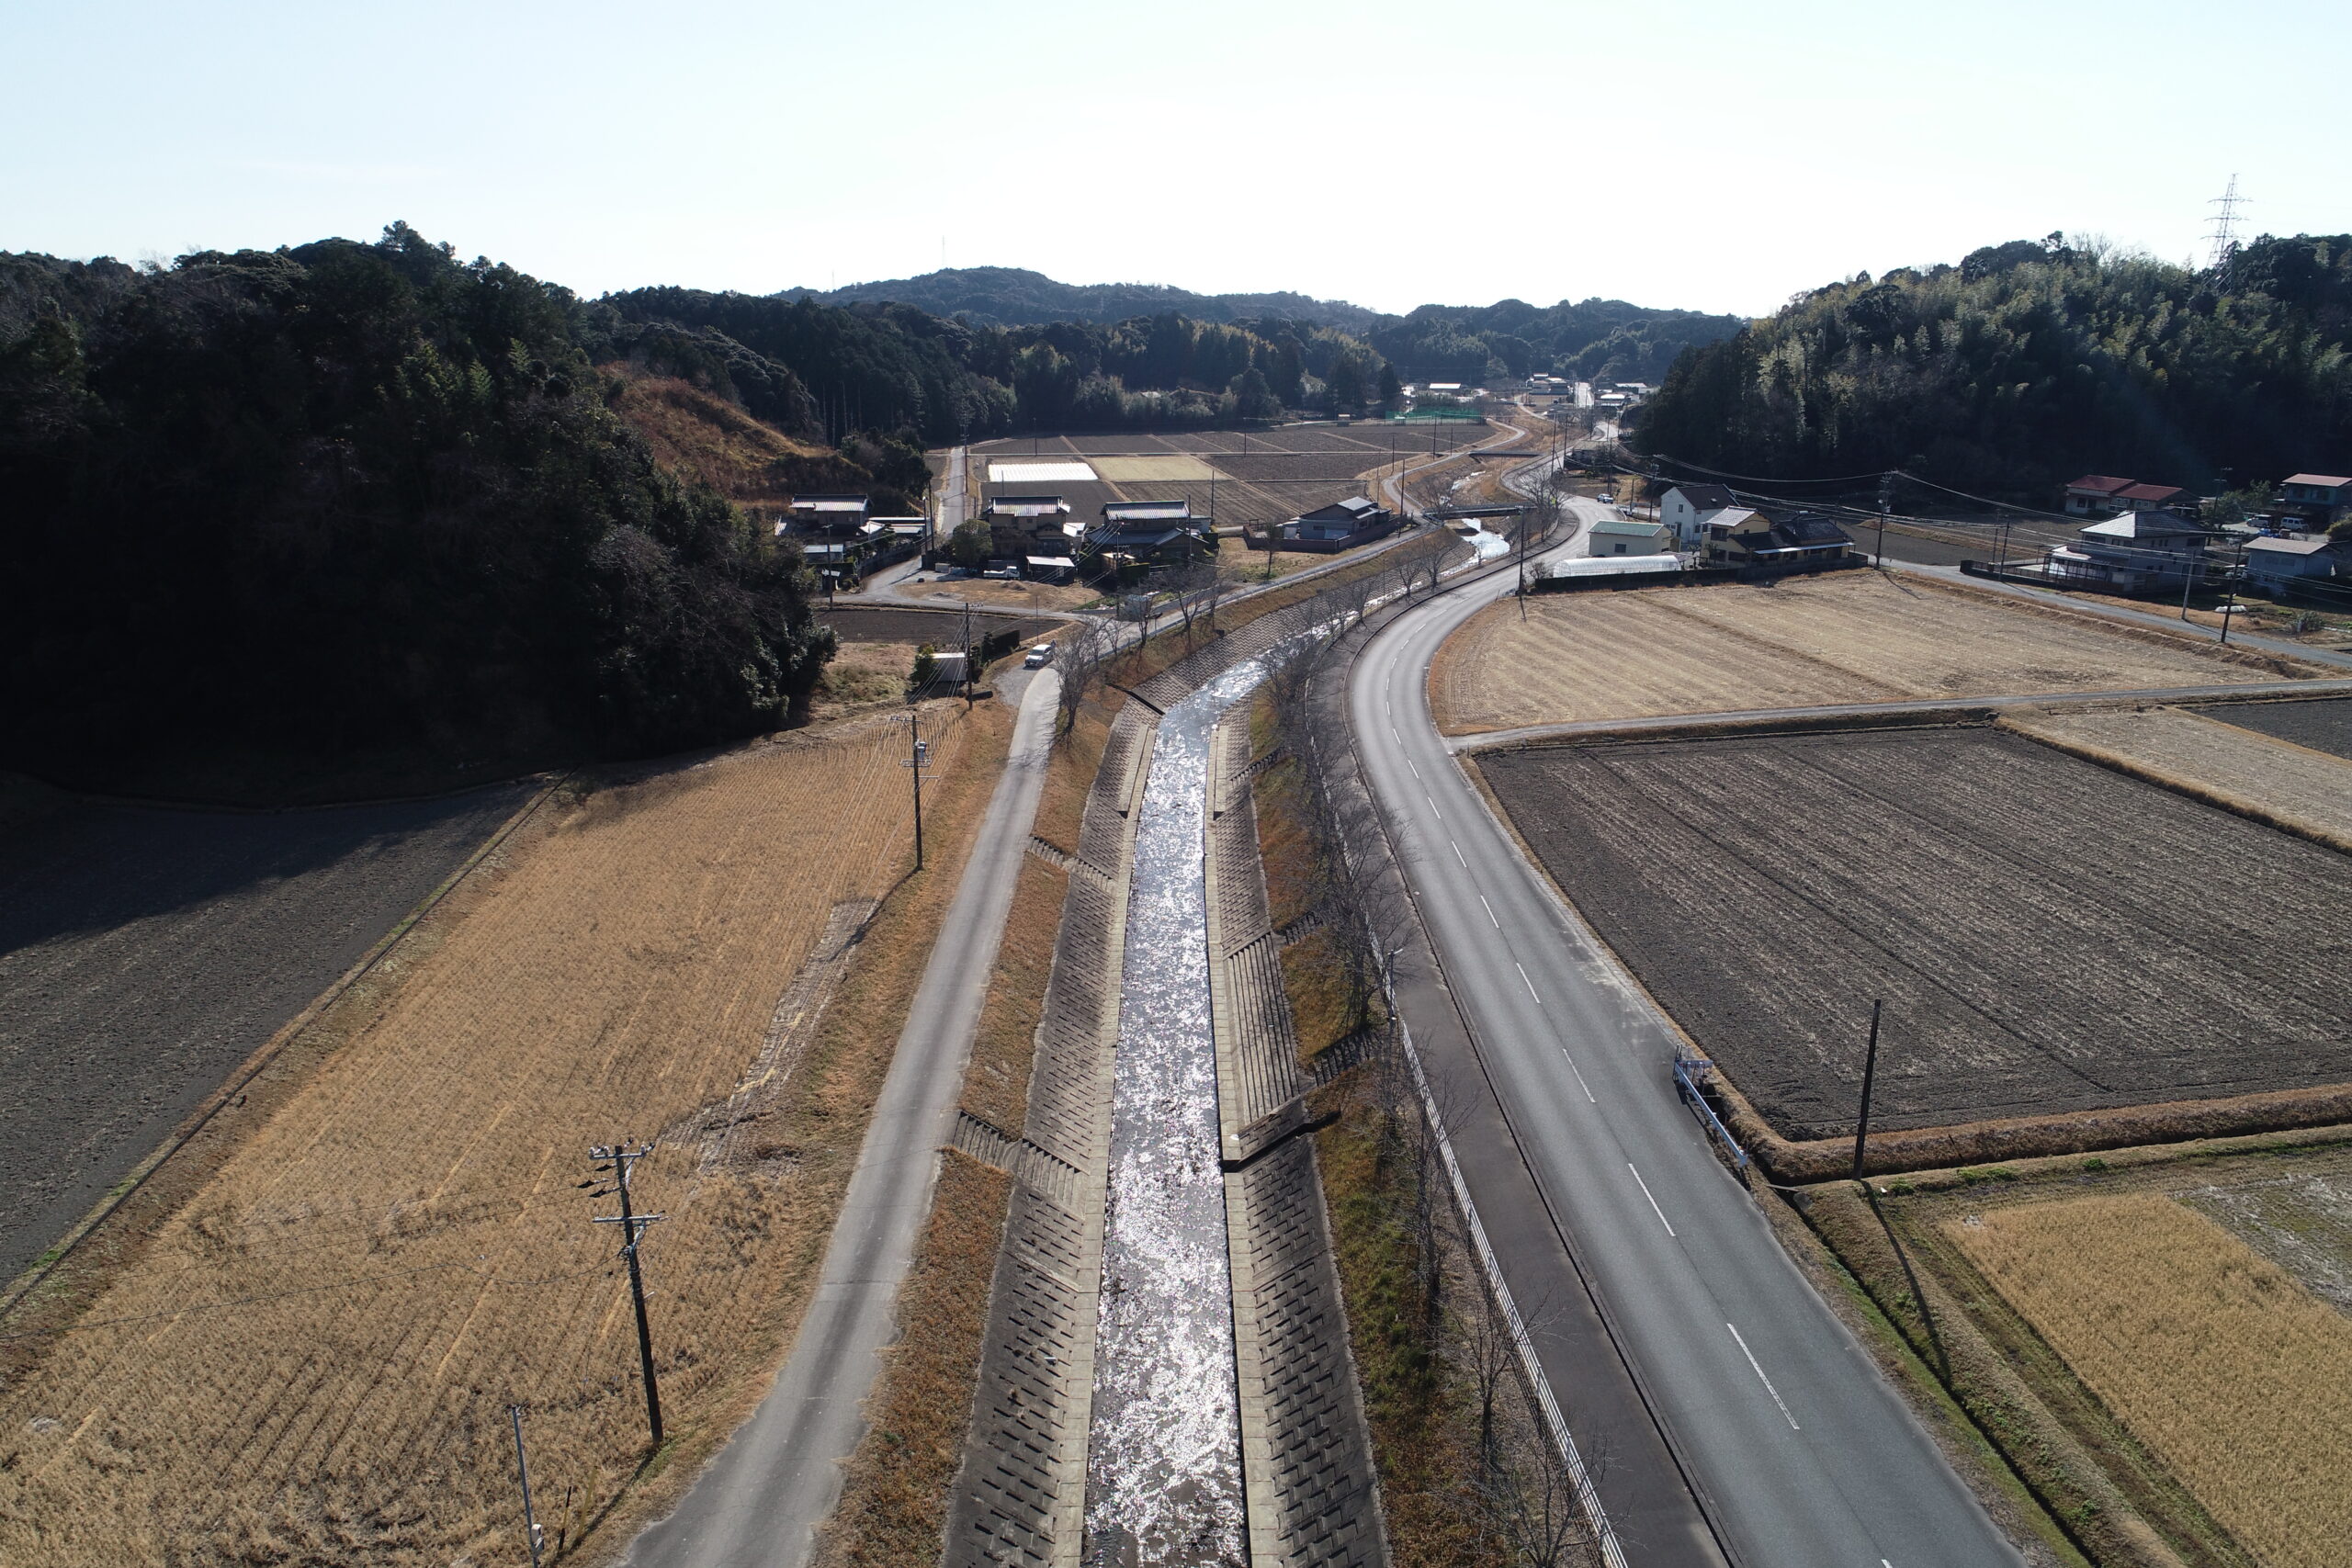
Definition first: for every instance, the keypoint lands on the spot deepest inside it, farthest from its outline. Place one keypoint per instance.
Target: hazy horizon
(1696, 156)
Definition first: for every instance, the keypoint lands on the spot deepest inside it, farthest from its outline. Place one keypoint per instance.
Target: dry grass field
(2029, 917)
(1856, 636)
(309, 1360)
(2220, 1362)
(2308, 792)
(2158, 1339)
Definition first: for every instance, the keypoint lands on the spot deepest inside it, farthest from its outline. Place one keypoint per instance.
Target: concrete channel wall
(1305, 1451)
(1019, 1494)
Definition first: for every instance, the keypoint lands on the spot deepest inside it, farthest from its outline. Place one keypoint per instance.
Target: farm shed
(1340, 520)
(2269, 562)
(1625, 536)
(830, 513)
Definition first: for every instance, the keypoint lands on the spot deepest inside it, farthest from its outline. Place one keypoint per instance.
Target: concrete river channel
(1164, 1454)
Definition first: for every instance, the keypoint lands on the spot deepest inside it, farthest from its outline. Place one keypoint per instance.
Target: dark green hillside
(2030, 363)
(1596, 340)
(347, 500)
(1015, 296)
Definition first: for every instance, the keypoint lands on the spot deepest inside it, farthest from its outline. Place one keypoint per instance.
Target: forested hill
(2032, 362)
(1595, 340)
(1013, 296)
(345, 502)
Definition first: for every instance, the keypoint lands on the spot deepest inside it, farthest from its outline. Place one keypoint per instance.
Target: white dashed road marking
(1645, 1192)
(1773, 1391)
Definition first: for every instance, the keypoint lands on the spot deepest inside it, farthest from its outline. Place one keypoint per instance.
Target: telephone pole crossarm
(621, 1156)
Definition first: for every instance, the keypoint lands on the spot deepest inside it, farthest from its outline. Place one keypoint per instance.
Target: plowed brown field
(2031, 920)
(310, 1361)
(1853, 636)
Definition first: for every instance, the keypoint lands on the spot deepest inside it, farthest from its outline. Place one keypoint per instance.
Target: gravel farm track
(2029, 917)
(145, 952)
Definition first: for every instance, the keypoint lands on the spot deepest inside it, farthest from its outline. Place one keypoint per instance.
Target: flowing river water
(1164, 1454)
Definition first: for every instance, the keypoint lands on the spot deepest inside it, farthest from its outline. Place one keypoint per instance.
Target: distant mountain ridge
(1015, 297)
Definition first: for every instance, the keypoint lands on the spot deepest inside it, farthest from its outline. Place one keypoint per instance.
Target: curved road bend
(1800, 1453)
(758, 1502)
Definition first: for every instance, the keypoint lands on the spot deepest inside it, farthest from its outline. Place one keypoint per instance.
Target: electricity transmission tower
(2224, 235)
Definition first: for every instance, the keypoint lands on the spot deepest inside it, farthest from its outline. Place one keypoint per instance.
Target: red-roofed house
(2094, 494)
(2150, 498)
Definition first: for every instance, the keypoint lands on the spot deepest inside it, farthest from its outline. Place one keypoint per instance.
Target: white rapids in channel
(1164, 1455)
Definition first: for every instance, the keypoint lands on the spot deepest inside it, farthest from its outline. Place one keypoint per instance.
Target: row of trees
(2029, 362)
(353, 498)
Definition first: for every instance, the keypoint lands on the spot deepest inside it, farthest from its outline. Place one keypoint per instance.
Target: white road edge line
(1491, 912)
(1525, 981)
(1769, 1388)
(1588, 1094)
(1662, 1219)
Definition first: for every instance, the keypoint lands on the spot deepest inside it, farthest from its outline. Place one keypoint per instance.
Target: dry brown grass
(1855, 636)
(996, 1090)
(698, 436)
(894, 1504)
(310, 1360)
(2213, 1357)
(862, 678)
(1034, 598)
(2292, 786)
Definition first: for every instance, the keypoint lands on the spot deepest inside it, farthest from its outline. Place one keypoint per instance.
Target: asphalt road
(1790, 1439)
(759, 1502)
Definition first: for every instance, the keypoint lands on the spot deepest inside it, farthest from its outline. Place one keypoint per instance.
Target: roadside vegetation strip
(611, 981)
(1473, 1461)
(2025, 973)
(1848, 638)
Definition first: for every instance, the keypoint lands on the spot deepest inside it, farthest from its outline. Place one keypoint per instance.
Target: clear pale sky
(1701, 154)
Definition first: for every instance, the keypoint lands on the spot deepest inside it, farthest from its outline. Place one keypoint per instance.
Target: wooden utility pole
(619, 1157)
(1870, 1073)
(531, 1531)
(918, 752)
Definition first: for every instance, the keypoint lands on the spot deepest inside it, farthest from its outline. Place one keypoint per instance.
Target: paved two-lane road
(1800, 1453)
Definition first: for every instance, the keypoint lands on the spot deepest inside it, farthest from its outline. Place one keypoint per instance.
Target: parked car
(1039, 657)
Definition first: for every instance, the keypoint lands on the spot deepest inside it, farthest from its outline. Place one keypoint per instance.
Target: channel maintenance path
(759, 1502)
(1794, 1446)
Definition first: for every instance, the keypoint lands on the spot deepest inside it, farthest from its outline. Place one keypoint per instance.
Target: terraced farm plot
(2282, 782)
(2214, 1358)
(2323, 726)
(1854, 637)
(2032, 920)
(1174, 468)
(146, 952)
(311, 1359)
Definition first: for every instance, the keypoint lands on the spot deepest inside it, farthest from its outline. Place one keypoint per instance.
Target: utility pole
(918, 752)
(619, 1157)
(1885, 495)
(532, 1533)
(1870, 1073)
